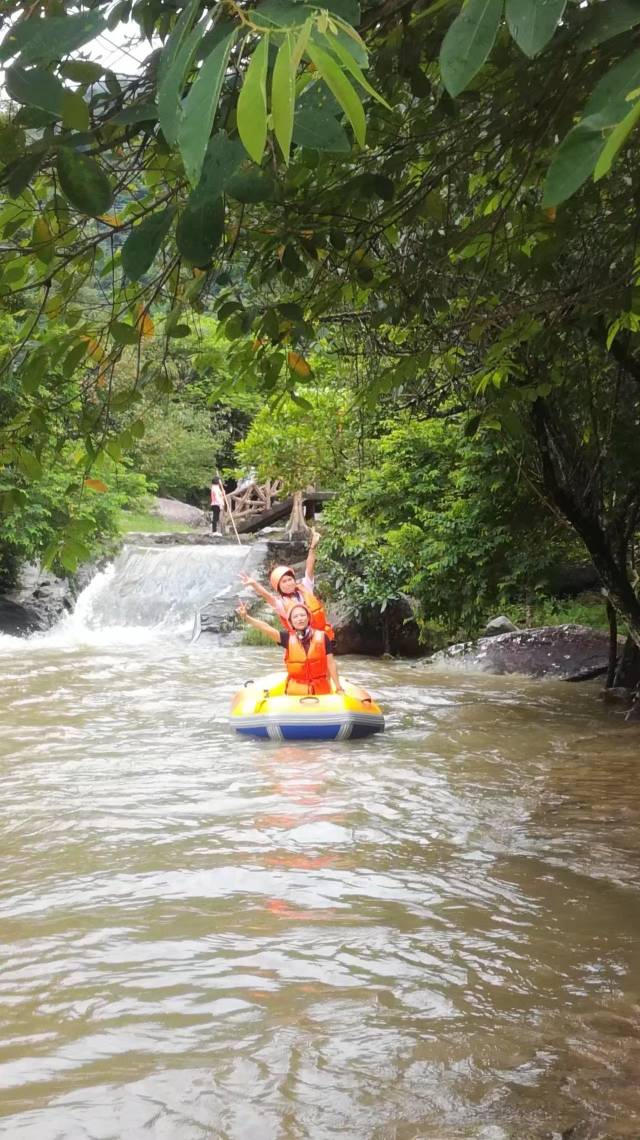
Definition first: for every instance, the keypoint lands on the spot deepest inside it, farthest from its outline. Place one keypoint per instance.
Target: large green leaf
(21, 173)
(533, 22)
(177, 39)
(468, 42)
(615, 141)
(200, 229)
(36, 88)
(252, 103)
(123, 333)
(316, 125)
(252, 185)
(83, 182)
(222, 160)
(199, 109)
(574, 160)
(288, 14)
(320, 133)
(341, 89)
(348, 10)
(349, 63)
(580, 150)
(51, 37)
(144, 241)
(75, 112)
(81, 71)
(609, 96)
(609, 20)
(177, 57)
(281, 14)
(283, 97)
(137, 113)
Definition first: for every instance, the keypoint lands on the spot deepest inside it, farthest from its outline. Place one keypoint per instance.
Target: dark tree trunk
(613, 644)
(628, 671)
(568, 496)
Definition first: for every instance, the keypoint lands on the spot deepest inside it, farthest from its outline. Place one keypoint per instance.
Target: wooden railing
(254, 499)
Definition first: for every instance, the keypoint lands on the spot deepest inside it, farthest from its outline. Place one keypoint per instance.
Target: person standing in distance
(217, 502)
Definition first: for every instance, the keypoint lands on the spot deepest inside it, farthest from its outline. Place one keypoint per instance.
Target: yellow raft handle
(316, 700)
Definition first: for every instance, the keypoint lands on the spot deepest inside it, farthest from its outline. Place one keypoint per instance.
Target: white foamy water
(147, 591)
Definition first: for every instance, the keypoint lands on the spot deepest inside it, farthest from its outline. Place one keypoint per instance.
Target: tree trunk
(297, 528)
(386, 634)
(628, 671)
(613, 644)
(611, 571)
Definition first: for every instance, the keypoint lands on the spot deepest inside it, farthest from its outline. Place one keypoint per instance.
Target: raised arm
(332, 670)
(257, 588)
(311, 556)
(263, 626)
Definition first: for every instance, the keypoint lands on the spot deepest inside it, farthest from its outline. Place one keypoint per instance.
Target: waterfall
(163, 586)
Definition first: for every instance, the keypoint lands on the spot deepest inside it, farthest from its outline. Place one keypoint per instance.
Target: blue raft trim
(344, 727)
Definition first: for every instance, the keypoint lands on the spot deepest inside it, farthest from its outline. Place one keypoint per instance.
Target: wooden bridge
(260, 504)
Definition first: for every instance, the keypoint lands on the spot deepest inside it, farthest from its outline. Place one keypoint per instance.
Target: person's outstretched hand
(246, 579)
(315, 539)
(242, 611)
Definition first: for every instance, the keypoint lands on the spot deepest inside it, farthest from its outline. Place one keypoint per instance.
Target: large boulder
(174, 511)
(569, 579)
(568, 652)
(39, 599)
(282, 551)
(499, 625)
(368, 636)
(15, 619)
(36, 602)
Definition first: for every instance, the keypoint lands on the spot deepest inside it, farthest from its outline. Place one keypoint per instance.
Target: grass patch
(587, 610)
(251, 636)
(149, 524)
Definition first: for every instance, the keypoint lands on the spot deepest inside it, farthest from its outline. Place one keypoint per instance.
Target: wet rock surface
(40, 599)
(569, 652)
(369, 636)
(176, 538)
(498, 625)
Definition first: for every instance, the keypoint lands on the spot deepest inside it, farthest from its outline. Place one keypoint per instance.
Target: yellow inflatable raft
(263, 708)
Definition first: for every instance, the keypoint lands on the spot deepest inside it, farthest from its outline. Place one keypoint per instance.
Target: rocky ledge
(176, 538)
(40, 599)
(568, 652)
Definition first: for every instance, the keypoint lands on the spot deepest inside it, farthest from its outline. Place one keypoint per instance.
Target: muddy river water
(428, 935)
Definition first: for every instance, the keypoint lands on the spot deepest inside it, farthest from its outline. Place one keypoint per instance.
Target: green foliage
(179, 451)
(306, 441)
(251, 636)
(437, 516)
(59, 503)
(560, 611)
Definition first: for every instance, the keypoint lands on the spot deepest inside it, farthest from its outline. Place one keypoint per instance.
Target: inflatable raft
(263, 708)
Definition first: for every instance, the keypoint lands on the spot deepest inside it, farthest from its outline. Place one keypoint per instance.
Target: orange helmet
(278, 573)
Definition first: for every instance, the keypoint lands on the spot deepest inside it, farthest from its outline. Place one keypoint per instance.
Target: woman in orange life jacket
(289, 592)
(308, 653)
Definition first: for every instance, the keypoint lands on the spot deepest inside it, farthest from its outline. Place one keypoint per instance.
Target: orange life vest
(307, 670)
(317, 615)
